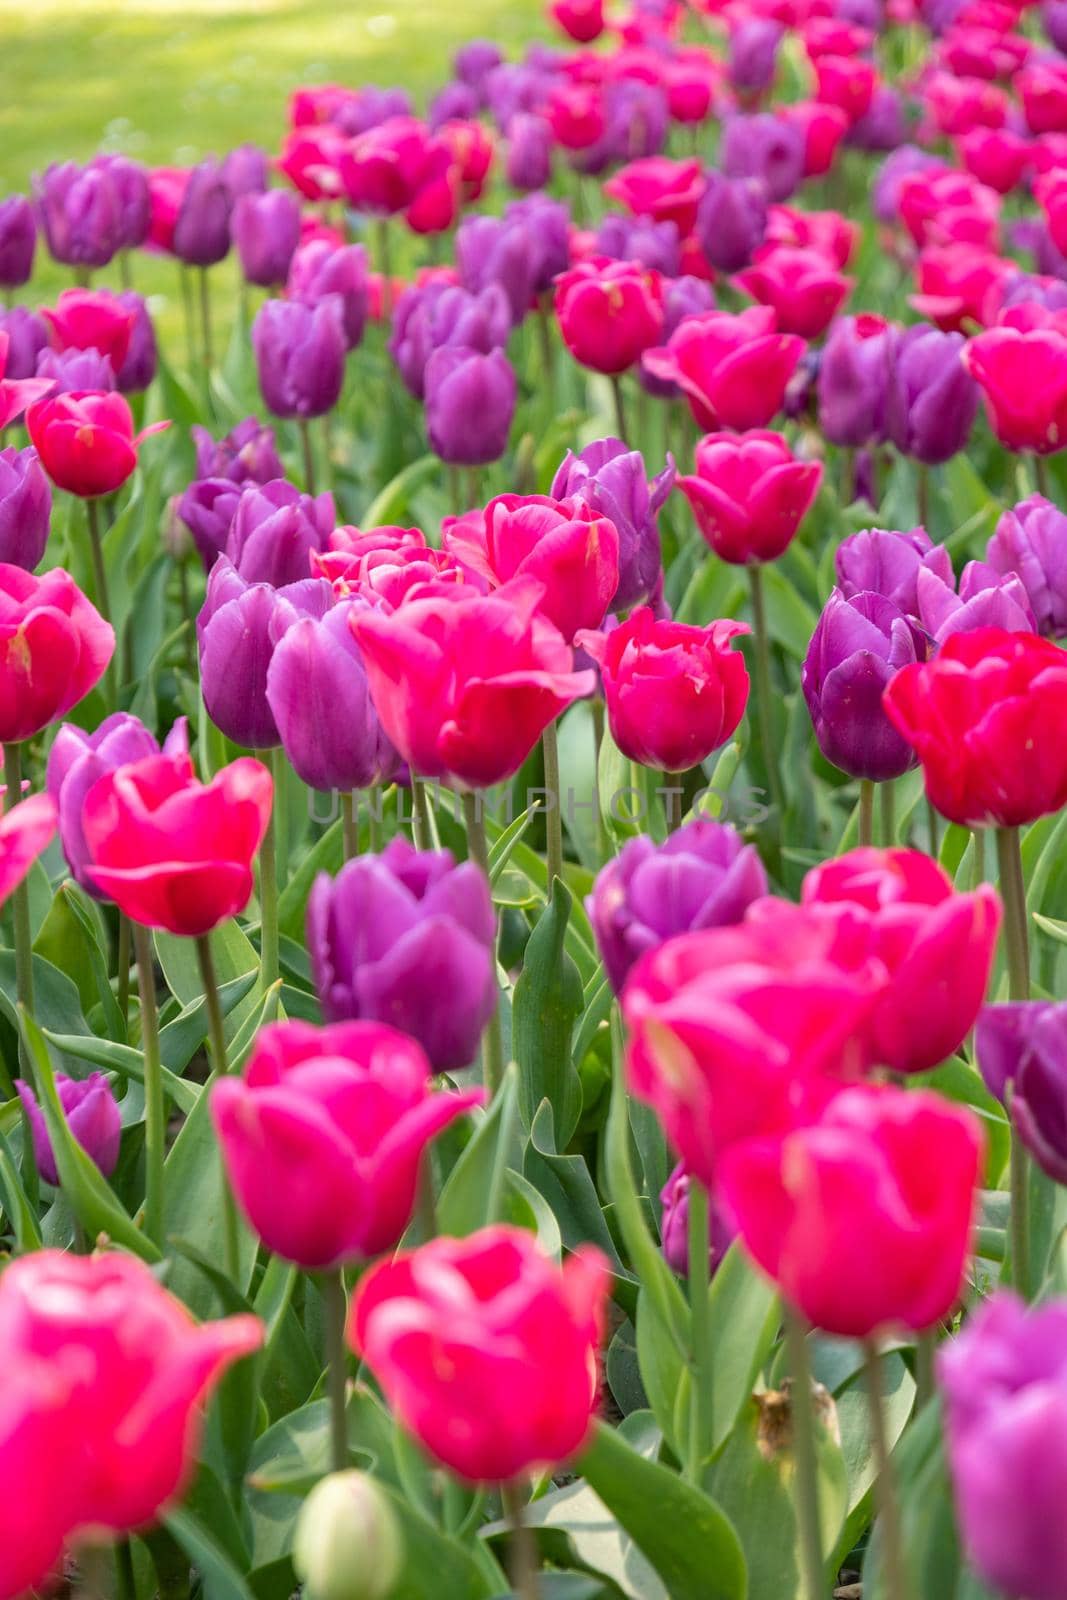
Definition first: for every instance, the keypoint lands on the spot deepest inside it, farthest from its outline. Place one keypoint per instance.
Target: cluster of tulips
(592, 1119)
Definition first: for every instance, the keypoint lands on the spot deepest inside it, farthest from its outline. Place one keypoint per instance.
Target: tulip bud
(18, 241)
(347, 1544)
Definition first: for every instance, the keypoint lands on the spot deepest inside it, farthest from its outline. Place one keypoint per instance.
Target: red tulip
(660, 188)
(1042, 88)
(960, 285)
(471, 147)
(609, 312)
(733, 370)
(562, 544)
(88, 319)
(996, 157)
(737, 1033)
(938, 206)
(827, 232)
(384, 169)
(983, 717)
(576, 115)
(674, 693)
(823, 127)
(86, 441)
(1050, 191)
(324, 1135)
(486, 1351)
(750, 494)
(959, 105)
(54, 648)
(803, 290)
(25, 830)
(937, 947)
(847, 82)
(863, 1218)
(1021, 368)
(464, 683)
(17, 393)
(172, 852)
(166, 191)
(582, 19)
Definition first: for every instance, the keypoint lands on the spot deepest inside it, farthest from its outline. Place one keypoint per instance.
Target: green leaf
(222, 1579)
(681, 1531)
(234, 955)
(22, 1215)
(123, 1059)
(473, 1194)
(568, 1187)
(547, 1001)
(853, 1417)
(744, 1316)
(327, 854)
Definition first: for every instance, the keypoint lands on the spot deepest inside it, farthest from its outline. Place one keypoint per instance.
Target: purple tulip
(513, 88)
(702, 876)
(27, 336)
(266, 232)
(456, 102)
(1004, 1383)
(492, 250)
(77, 760)
(371, 107)
(91, 1115)
(547, 227)
(239, 625)
(853, 381)
(207, 509)
(1030, 543)
(883, 125)
(429, 317)
(766, 147)
(406, 937)
(315, 669)
(80, 215)
(18, 241)
(274, 530)
(900, 164)
(76, 371)
(1031, 234)
(611, 479)
(246, 170)
(300, 355)
(139, 367)
(528, 163)
(1026, 289)
(637, 117)
(1022, 1048)
(753, 55)
(25, 508)
(858, 645)
(731, 220)
(247, 454)
(470, 403)
(654, 244)
(674, 1224)
(132, 197)
(202, 229)
(473, 62)
(1054, 22)
(985, 600)
(682, 297)
(933, 400)
(882, 561)
(320, 269)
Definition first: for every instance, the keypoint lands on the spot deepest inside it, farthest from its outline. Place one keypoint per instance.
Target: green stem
(701, 1353)
(125, 1582)
(922, 492)
(375, 819)
(805, 1460)
(898, 1586)
(349, 824)
(333, 1294)
(185, 279)
(866, 828)
(478, 850)
(124, 969)
(20, 907)
(620, 406)
(1041, 471)
(978, 873)
(1017, 952)
(888, 814)
(220, 1060)
(205, 322)
(925, 1351)
(420, 814)
(125, 270)
(602, 840)
(931, 823)
(309, 455)
(763, 684)
(524, 1561)
(96, 550)
(382, 240)
(154, 1103)
(268, 891)
(553, 802)
(674, 799)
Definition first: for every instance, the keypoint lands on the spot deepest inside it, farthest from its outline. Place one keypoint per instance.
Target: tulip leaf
(744, 1314)
(123, 1059)
(683, 1533)
(393, 501)
(473, 1194)
(566, 1184)
(327, 854)
(222, 1578)
(546, 1004)
(21, 1214)
(234, 955)
(853, 1417)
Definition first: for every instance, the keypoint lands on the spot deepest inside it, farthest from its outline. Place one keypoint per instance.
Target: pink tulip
(54, 648)
(17, 393)
(732, 370)
(750, 494)
(25, 830)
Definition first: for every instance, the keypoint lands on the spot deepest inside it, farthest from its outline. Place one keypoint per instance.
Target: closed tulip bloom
(129, 1372)
(749, 494)
(888, 563)
(609, 314)
(853, 381)
(247, 454)
(1030, 543)
(1021, 1056)
(137, 371)
(474, 61)
(88, 319)
(18, 241)
(25, 508)
(738, 1032)
(435, 315)
(172, 852)
(937, 947)
(856, 651)
(674, 1224)
(239, 626)
(978, 716)
(266, 232)
(564, 545)
(129, 182)
(702, 876)
(407, 937)
(674, 693)
(766, 147)
(465, 684)
(274, 530)
(804, 290)
(92, 1117)
(201, 235)
(933, 398)
(863, 1218)
(660, 188)
(753, 55)
(324, 1134)
(27, 336)
(54, 648)
(732, 370)
(1004, 1388)
(26, 830)
(612, 480)
(583, 20)
(731, 220)
(300, 356)
(985, 599)
(86, 441)
(319, 269)
(640, 241)
(463, 1331)
(500, 252)
(207, 509)
(17, 394)
(1021, 368)
(528, 158)
(470, 404)
(80, 214)
(246, 170)
(75, 372)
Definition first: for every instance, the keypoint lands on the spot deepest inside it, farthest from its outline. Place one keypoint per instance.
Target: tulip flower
(16, 394)
(133, 205)
(26, 829)
(266, 232)
(1030, 543)
(383, 565)
(660, 188)
(853, 381)
(997, 157)
(319, 269)
(609, 313)
(470, 403)
(639, 241)
(463, 1331)
(87, 319)
(766, 147)
(324, 1134)
(1020, 1053)
(348, 1543)
(246, 170)
(201, 229)
(25, 508)
(464, 683)
(986, 599)
(674, 693)
(583, 20)
(528, 159)
(56, 647)
(702, 876)
(27, 337)
(1021, 368)
(300, 356)
(565, 546)
(247, 454)
(275, 530)
(76, 372)
(888, 564)
(803, 289)
(864, 1217)
(731, 220)
(207, 508)
(753, 55)
(820, 128)
(739, 1032)
(682, 297)
(80, 213)
(86, 441)
(171, 852)
(611, 480)
(92, 1117)
(978, 717)
(18, 241)
(856, 651)
(750, 494)
(947, 207)
(674, 1224)
(732, 370)
(1005, 1397)
(139, 368)
(933, 397)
